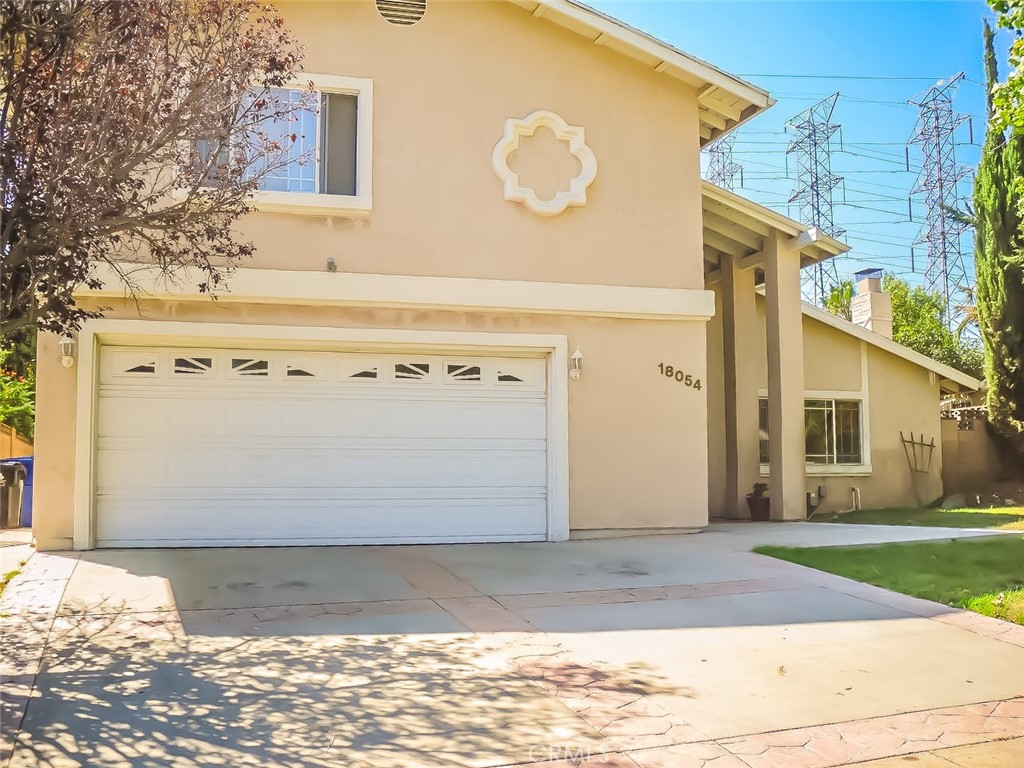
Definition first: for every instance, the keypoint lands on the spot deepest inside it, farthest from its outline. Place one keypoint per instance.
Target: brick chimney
(871, 307)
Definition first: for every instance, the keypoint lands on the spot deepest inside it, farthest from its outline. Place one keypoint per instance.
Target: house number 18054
(681, 376)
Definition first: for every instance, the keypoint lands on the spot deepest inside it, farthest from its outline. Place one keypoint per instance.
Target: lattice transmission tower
(722, 169)
(813, 130)
(939, 183)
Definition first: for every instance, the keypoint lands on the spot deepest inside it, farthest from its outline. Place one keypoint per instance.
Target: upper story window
(832, 431)
(328, 166)
(322, 157)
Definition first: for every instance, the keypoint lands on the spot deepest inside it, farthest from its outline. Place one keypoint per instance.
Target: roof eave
(742, 100)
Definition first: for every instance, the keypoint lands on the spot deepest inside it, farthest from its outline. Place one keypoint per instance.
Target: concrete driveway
(655, 651)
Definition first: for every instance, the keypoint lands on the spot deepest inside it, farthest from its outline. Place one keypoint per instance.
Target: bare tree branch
(132, 129)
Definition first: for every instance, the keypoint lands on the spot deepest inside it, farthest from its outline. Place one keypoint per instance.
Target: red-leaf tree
(132, 131)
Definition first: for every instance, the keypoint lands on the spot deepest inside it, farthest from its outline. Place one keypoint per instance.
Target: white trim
(96, 333)
(890, 346)
(84, 532)
(865, 408)
(515, 130)
(272, 286)
(314, 203)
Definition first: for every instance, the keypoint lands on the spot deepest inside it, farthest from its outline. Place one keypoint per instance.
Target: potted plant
(759, 504)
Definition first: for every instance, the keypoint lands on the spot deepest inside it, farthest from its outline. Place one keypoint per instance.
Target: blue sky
(877, 54)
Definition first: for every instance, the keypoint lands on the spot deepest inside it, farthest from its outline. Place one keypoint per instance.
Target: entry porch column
(741, 347)
(784, 326)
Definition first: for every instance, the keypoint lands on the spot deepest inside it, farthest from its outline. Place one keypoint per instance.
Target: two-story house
(502, 306)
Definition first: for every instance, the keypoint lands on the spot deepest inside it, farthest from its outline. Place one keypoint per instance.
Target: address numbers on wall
(686, 379)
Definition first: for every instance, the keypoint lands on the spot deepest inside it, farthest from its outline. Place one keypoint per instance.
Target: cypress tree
(998, 266)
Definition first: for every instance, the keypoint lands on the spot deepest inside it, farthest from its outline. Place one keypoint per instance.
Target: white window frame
(319, 203)
(843, 470)
(864, 396)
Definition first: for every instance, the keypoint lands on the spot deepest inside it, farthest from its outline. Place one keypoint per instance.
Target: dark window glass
(411, 370)
(338, 122)
(247, 366)
(762, 429)
(464, 372)
(818, 431)
(192, 364)
(848, 441)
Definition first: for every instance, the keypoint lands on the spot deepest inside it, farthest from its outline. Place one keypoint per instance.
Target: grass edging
(984, 575)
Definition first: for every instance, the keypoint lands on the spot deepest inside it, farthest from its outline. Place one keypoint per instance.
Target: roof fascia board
(650, 46)
(769, 217)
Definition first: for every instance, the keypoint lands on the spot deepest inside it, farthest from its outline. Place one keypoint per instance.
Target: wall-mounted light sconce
(67, 351)
(576, 365)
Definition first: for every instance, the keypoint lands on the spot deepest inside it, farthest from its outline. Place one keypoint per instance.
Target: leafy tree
(17, 396)
(840, 300)
(918, 322)
(131, 130)
(22, 347)
(1006, 100)
(997, 252)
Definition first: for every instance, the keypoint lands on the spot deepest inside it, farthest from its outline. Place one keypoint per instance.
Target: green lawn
(997, 518)
(982, 575)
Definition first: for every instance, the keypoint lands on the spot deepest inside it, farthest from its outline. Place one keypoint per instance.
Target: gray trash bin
(12, 475)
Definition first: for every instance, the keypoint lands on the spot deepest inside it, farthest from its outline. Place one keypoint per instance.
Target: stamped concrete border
(638, 731)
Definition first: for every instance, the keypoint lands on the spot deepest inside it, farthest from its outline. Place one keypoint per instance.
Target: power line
(849, 77)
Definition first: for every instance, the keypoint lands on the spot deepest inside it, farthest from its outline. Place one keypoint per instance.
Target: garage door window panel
(193, 366)
(412, 371)
(246, 367)
(463, 373)
(134, 365)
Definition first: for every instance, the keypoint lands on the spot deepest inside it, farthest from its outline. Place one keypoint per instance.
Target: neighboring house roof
(947, 374)
(737, 227)
(725, 101)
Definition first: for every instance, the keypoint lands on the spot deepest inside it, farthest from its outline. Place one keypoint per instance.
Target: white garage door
(253, 447)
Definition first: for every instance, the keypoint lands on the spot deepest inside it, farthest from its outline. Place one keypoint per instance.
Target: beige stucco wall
(901, 396)
(442, 91)
(904, 397)
(972, 461)
(53, 489)
(636, 439)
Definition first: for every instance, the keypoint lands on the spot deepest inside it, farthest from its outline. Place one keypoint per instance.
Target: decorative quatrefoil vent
(515, 130)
